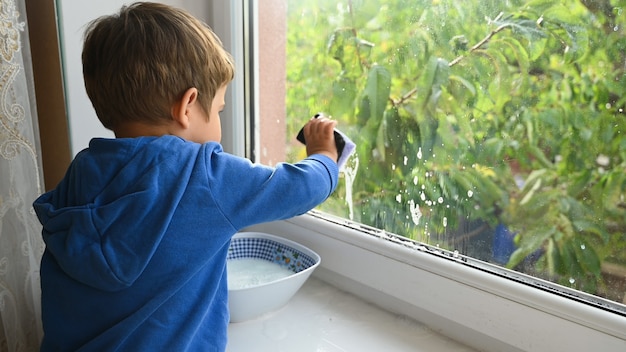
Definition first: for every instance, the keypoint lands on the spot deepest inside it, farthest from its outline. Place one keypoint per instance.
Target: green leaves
(367, 11)
(375, 95)
(349, 50)
(430, 86)
(343, 98)
(562, 25)
(515, 119)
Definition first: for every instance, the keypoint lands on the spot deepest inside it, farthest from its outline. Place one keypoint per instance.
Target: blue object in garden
(503, 244)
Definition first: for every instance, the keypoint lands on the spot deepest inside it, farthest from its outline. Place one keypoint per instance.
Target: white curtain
(21, 246)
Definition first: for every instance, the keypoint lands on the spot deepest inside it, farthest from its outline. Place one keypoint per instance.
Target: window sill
(477, 308)
(321, 317)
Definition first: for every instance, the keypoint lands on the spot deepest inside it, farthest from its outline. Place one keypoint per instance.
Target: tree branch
(476, 46)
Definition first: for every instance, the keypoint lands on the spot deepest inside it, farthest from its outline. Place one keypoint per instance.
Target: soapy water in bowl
(250, 272)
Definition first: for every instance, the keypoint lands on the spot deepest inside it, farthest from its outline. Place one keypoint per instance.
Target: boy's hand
(320, 138)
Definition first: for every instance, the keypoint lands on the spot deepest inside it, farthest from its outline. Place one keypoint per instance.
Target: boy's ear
(180, 110)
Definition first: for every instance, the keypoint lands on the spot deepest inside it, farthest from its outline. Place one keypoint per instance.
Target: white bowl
(249, 302)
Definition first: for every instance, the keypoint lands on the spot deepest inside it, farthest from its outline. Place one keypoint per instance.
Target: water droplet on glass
(572, 280)
(419, 153)
(440, 200)
(399, 198)
(603, 160)
(416, 213)
(415, 180)
(445, 222)
(470, 193)
(582, 246)
(455, 254)
(406, 160)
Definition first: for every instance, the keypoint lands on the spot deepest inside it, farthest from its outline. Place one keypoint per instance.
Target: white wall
(74, 15)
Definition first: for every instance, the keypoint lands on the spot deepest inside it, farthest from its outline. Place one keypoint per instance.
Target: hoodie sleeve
(249, 193)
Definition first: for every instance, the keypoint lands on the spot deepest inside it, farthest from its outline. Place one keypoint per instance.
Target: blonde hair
(138, 63)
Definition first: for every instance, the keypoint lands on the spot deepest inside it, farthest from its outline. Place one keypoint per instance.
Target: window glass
(494, 129)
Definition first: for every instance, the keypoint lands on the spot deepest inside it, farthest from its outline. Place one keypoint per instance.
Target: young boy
(138, 230)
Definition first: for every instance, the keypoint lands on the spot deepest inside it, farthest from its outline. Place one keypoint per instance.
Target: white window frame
(478, 308)
(227, 21)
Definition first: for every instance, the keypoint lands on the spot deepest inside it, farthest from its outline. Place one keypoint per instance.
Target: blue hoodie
(137, 235)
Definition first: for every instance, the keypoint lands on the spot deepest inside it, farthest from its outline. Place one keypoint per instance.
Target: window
(477, 125)
(461, 294)
(493, 130)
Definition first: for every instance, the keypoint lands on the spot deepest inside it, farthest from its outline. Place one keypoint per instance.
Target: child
(138, 230)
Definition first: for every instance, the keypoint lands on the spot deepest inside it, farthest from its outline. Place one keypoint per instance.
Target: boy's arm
(249, 194)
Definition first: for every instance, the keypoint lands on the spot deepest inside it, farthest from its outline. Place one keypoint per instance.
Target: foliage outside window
(495, 128)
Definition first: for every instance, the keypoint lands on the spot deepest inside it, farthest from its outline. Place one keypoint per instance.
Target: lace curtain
(21, 246)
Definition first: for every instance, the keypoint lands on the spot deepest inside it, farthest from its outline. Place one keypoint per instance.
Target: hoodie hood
(95, 222)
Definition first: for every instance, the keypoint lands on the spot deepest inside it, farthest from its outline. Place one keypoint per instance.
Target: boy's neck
(139, 129)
